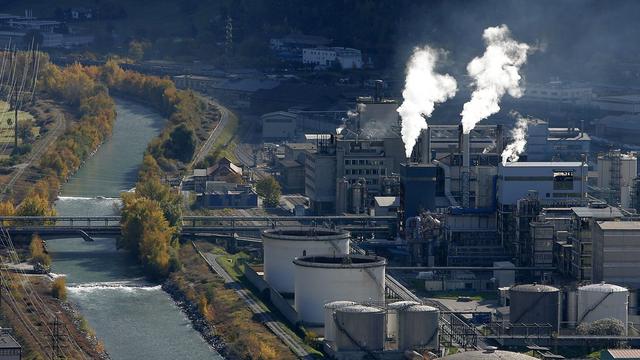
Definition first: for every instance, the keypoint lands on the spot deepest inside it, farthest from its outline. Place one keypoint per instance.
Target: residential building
(279, 125)
(220, 194)
(223, 170)
(616, 250)
(324, 57)
(10, 349)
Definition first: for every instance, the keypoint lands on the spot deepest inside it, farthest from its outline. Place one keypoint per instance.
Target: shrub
(59, 288)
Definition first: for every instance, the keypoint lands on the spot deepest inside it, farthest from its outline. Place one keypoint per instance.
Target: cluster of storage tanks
(403, 326)
(315, 266)
(542, 304)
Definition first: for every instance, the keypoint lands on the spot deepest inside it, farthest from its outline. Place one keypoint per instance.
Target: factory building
(559, 92)
(557, 183)
(324, 57)
(619, 129)
(278, 125)
(418, 188)
(620, 103)
(616, 174)
(616, 252)
(555, 144)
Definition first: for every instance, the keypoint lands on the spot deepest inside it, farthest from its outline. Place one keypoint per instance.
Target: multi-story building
(616, 174)
(320, 177)
(616, 252)
(346, 58)
(559, 92)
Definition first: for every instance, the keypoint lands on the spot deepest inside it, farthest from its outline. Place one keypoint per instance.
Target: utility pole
(15, 132)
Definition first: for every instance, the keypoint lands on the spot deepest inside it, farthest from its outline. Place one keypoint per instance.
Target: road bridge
(194, 225)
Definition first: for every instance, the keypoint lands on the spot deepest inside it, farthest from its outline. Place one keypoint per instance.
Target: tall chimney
(499, 139)
(464, 173)
(378, 94)
(425, 146)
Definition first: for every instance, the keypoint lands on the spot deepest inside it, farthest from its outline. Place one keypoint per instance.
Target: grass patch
(226, 141)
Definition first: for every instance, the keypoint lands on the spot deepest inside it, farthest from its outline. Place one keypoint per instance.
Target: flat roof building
(616, 250)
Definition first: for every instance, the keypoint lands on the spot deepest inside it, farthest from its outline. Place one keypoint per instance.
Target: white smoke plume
(422, 90)
(494, 74)
(511, 152)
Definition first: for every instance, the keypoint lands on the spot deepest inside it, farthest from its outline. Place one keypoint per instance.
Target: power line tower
(55, 338)
(228, 35)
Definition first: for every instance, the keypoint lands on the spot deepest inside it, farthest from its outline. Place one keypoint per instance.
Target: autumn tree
(147, 234)
(37, 251)
(269, 189)
(59, 288)
(35, 205)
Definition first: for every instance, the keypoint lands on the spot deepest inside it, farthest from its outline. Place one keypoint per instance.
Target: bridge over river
(194, 225)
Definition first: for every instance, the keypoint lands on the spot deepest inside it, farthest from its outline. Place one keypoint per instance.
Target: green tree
(269, 189)
(181, 143)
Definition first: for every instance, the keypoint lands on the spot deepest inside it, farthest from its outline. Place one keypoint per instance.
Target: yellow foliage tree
(59, 288)
(35, 205)
(38, 254)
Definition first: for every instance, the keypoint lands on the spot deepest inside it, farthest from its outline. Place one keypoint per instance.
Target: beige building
(616, 251)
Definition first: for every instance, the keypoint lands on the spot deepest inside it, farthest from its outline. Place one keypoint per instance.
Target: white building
(347, 58)
(557, 183)
(559, 92)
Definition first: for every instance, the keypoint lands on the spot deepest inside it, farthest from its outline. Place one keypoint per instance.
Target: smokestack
(425, 146)
(464, 173)
(581, 128)
(378, 95)
(499, 139)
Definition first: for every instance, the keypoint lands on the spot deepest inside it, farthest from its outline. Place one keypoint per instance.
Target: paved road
(215, 133)
(36, 154)
(260, 310)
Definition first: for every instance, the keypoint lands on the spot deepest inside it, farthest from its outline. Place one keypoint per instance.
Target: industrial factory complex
(475, 253)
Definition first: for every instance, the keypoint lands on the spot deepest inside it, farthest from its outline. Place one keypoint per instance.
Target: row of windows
(365, 171)
(364, 162)
(5, 352)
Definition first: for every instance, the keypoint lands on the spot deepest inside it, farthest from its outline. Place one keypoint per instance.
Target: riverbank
(243, 335)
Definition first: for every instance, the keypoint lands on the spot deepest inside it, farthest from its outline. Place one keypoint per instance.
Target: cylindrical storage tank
(603, 301)
(534, 304)
(358, 328)
(572, 308)
(418, 328)
(282, 246)
(322, 279)
(392, 317)
(329, 309)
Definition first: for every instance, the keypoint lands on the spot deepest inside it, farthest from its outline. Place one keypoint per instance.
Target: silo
(329, 309)
(358, 328)
(534, 304)
(392, 317)
(282, 246)
(418, 328)
(322, 279)
(602, 301)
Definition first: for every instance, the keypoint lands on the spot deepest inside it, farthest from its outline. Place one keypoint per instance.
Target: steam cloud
(422, 90)
(512, 152)
(494, 74)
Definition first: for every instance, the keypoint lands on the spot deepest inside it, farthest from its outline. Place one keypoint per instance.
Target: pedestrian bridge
(193, 225)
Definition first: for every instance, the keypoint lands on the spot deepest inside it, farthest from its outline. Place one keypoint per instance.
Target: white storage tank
(282, 246)
(602, 301)
(418, 328)
(358, 328)
(329, 309)
(322, 279)
(392, 317)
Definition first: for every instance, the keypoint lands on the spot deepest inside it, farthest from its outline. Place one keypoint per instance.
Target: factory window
(374, 171)
(383, 171)
(367, 172)
(361, 162)
(563, 180)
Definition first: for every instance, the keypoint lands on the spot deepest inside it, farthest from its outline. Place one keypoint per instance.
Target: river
(135, 319)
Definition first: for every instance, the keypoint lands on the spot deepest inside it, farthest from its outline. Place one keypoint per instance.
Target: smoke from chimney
(511, 152)
(494, 74)
(423, 89)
